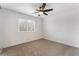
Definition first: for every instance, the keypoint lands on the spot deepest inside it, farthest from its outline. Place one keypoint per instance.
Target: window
(26, 25)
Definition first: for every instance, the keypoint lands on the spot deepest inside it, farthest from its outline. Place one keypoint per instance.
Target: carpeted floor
(40, 47)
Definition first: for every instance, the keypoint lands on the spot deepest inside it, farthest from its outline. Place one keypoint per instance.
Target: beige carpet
(40, 47)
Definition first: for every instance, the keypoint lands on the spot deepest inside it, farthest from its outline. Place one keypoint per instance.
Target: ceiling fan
(41, 10)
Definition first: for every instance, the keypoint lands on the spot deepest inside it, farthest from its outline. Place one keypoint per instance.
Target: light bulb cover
(40, 13)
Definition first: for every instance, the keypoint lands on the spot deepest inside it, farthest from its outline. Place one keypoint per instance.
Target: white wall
(11, 35)
(63, 26)
(1, 29)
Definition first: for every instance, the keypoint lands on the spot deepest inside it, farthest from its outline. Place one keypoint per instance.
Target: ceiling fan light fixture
(41, 13)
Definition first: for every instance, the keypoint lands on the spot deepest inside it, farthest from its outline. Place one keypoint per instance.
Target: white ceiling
(29, 8)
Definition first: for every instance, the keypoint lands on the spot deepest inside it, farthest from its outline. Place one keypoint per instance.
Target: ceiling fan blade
(37, 9)
(43, 6)
(45, 13)
(47, 10)
(34, 12)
